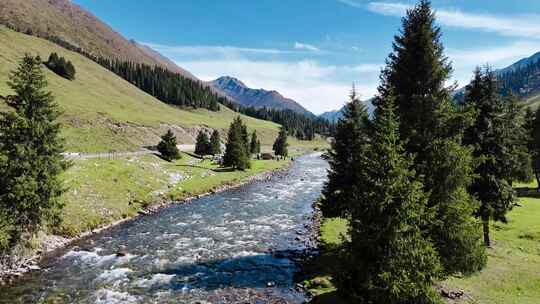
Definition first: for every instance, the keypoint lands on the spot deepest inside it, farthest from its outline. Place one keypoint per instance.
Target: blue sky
(313, 50)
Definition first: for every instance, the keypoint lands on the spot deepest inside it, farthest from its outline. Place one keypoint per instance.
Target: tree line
(421, 180)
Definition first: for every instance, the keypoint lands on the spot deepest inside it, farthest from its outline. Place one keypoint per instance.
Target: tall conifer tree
(350, 141)
(497, 143)
(30, 149)
(431, 129)
(390, 260)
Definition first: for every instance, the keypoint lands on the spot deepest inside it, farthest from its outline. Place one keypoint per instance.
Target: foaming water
(230, 247)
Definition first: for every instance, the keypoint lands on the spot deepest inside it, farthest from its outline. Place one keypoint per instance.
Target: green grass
(318, 274)
(512, 274)
(102, 191)
(102, 112)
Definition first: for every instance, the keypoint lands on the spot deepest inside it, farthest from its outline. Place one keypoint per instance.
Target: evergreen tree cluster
(520, 81)
(30, 157)
(237, 148)
(419, 179)
(167, 86)
(61, 66)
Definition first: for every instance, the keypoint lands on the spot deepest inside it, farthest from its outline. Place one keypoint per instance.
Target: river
(235, 246)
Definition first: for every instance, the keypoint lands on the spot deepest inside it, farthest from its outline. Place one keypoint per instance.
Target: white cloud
(516, 26)
(201, 50)
(318, 87)
(305, 46)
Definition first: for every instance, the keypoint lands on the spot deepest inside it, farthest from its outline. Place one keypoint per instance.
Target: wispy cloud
(516, 26)
(353, 3)
(204, 49)
(305, 46)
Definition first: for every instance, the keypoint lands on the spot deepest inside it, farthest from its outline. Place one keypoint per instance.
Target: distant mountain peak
(229, 81)
(239, 92)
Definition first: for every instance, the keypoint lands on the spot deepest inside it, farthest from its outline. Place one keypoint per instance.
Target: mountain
(333, 116)
(73, 24)
(258, 98)
(103, 112)
(521, 64)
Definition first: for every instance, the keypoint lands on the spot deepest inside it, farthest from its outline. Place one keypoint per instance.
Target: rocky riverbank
(23, 261)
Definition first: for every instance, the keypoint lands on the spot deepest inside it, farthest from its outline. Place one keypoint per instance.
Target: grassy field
(102, 112)
(512, 275)
(102, 191)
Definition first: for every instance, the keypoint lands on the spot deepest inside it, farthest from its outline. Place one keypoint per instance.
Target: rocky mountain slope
(73, 24)
(258, 98)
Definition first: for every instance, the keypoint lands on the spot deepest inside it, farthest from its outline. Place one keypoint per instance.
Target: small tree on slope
(215, 143)
(236, 151)
(202, 144)
(167, 147)
(280, 146)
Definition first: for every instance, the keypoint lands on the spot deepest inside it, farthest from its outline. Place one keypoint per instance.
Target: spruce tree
(215, 143)
(168, 146)
(388, 259)
(350, 141)
(236, 151)
(495, 140)
(535, 146)
(280, 146)
(30, 153)
(253, 146)
(431, 129)
(202, 144)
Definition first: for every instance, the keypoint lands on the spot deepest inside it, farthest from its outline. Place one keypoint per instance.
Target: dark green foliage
(237, 147)
(532, 126)
(431, 129)
(167, 147)
(255, 144)
(61, 66)
(30, 155)
(280, 146)
(496, 138)
(169, 87)
(215, 143)
(202, 145)
(389, 260)
(350, 141)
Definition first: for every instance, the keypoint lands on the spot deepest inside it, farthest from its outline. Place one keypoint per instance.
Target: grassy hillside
(72, 23)
(102, 112)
